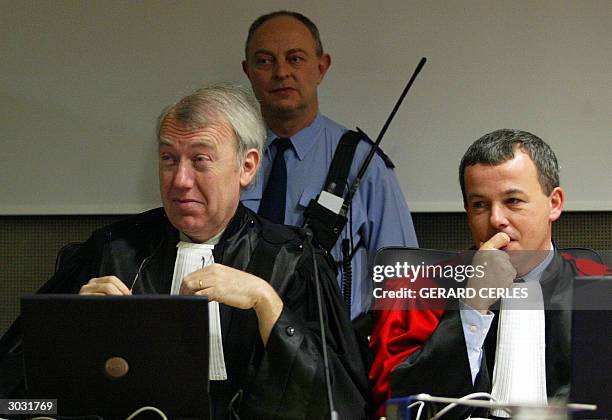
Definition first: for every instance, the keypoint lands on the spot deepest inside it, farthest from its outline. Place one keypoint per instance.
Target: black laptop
(592, 346)
(110, 356)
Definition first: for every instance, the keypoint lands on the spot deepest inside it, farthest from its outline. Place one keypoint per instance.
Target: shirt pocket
(307, 195)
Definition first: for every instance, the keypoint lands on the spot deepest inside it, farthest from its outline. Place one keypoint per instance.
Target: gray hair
(230, 103)
(499, 146)
(298, 16)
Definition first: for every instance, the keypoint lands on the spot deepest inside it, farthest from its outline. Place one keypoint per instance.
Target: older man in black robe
(263, 277)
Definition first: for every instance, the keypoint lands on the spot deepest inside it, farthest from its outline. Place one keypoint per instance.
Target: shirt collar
(538, 270)
(212, 241)
(303, 140)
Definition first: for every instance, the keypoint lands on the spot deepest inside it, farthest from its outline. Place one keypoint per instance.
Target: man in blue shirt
(285, 64)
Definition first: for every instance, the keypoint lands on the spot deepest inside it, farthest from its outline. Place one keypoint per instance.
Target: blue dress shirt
(379, 213)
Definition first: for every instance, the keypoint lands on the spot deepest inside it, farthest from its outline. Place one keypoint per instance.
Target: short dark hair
(499, 146)
(307, 22)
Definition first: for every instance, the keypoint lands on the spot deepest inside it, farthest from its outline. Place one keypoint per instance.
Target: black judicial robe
(285, 379)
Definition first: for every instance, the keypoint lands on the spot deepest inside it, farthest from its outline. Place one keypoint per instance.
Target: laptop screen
(109, 356)
(592, 346)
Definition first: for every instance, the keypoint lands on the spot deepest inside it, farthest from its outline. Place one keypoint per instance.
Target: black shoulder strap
(343, 158)
(324, 223)
(341, 162)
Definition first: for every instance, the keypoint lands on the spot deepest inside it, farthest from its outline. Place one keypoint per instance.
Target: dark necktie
(272, 205)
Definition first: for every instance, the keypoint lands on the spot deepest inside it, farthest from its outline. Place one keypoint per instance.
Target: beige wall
(83, 82)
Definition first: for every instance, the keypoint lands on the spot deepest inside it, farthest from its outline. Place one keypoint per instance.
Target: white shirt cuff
(475, 329)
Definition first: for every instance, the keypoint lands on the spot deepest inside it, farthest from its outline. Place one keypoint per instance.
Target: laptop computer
(592, 346)
(109, 356)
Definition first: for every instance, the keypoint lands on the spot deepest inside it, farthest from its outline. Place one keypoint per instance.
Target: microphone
(366, 162)
(326, 216)
(330, 398)
(137, 276)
